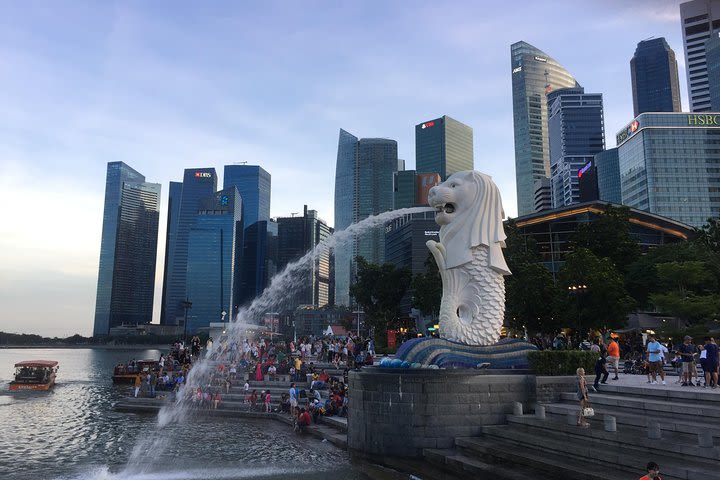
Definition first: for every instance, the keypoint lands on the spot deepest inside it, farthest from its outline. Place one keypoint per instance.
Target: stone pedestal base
(398, 412)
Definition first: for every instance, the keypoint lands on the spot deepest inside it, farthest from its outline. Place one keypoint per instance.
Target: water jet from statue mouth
(445, 208)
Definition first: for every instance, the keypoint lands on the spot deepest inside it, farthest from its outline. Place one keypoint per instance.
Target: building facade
(712, 55)
(405, 239)
(214, 256)
(363, 187)
(198, 184)
(296, 237)
(534, 75)
(654, 75)
(576, 133)
(128, 249)
(254, 183)
(543, 194)
(607, 165)
(553, 231)
(443, 146)
(700, 20)
(587, 182)
(670, 165)
(411, 189)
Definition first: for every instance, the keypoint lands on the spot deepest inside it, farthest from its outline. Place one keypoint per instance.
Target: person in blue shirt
(712, 360)
(655, 358)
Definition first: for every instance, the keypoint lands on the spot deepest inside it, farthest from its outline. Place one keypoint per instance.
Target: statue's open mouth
(447, 208)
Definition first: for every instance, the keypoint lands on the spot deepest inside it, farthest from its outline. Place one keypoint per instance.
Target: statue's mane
(480, 224)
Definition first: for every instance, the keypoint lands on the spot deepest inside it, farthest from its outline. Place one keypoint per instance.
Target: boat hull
(14, 386)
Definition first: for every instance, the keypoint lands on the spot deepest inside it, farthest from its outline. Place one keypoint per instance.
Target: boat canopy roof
(37, 363)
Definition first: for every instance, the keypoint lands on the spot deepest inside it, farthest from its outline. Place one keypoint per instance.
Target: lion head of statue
(469, 210)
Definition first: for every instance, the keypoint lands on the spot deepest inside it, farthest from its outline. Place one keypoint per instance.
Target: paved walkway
(672, 381)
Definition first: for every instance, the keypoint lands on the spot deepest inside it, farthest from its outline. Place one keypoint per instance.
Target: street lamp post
(358, 312)
(577, 291)
(223, 314)
(187, 305)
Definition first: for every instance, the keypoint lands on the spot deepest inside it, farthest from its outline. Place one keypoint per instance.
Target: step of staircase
(558, 466)
(457, 462)
(627, 438)
(548, 442)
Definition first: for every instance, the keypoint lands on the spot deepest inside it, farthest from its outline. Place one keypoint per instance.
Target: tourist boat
(34, 375)
(123, 374)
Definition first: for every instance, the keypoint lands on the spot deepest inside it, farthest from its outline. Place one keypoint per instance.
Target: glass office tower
(198, 184)
(712, 55)
(173, 219)
(443, 146)
(534, 75)
(669, 165)
(363, 187)
(253, 183)
(608, 176)
(577, 132)
(700, 20)
(654, 75)
(214, 248)
(128, 249)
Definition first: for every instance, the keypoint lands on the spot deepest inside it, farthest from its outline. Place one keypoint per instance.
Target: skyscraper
(296, 237)
(214, 251)
(577, 132)
(700, 20)
(253, 183)
(534, 75)
(198, 184)
(128, 248)
(608, 176)
(668, 165)
(712, 55)
(654, 74)
(443, 146)
(363, 187)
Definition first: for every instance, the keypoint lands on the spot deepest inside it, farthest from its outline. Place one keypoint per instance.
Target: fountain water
(286, 281)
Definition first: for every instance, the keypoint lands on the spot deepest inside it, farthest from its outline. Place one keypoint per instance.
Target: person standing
(712, 360)
(613, 356)
(293, 399)
(138, 382)
(687, 351)
(267, 401)
(600, 371)
(582, 395)
(654, 351)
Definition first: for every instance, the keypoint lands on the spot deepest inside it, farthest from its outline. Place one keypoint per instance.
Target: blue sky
(169, 85)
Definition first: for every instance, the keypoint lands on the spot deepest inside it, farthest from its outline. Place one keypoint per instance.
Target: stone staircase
(678, 429)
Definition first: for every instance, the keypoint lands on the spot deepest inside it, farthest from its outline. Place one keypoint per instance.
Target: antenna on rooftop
(292, 214)
(239, 163)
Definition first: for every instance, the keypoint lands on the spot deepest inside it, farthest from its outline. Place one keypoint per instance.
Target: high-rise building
(669, 165)
(363, 187)
(576, 131)
(700, 20)
(543, 194)
(214, 253)
(296, 237)
(443, 146)
(534, 75)
(173, 220)
(608, 176)
(587, 182)
(253, 183)
(198, 184)
(712, 55)
(654, 75)
(412, 188)
(128, 249)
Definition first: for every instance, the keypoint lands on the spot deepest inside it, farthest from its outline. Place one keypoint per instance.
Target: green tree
(688, 291)
(530, 291)
(599, 298)
(427, 288)
(378, 289)
(608, 236)
(709, 235)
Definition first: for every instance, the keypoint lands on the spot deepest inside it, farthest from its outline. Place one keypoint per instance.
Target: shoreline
(134, 346)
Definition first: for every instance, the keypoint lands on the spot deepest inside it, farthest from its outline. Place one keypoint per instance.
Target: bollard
(517, 409)
(610, 423)
(654, 430)
(572, 418)
(540, 412)
(705, 438)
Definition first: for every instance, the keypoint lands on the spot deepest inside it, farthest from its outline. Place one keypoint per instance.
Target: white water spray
(280, 285)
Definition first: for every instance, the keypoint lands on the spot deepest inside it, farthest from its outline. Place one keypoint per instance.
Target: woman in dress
(582, 395)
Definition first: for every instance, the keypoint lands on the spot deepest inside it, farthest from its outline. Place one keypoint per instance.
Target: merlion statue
(470, 258)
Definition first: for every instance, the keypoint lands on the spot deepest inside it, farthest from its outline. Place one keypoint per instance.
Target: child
(267, 401)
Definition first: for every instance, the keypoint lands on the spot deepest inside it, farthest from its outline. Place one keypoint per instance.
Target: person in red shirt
(653, 472)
